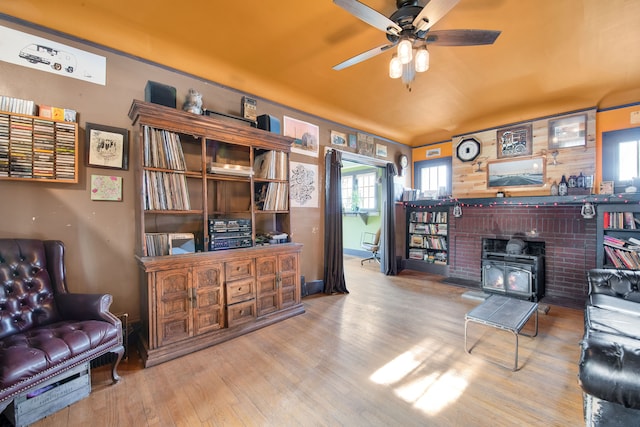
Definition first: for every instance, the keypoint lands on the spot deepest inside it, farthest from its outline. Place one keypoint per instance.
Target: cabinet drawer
(241, 313)
(239, 269)
(240, 290)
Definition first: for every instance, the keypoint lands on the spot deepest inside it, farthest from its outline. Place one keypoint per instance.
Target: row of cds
(37, 148)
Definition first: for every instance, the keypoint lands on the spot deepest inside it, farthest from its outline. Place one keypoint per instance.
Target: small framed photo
(338, 138)
(381, 150)
(515, 141)
(107, 146)
(107, 188)
(568, 132)
(606, 187)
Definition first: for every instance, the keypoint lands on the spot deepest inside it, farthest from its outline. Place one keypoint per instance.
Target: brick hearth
(570, 242)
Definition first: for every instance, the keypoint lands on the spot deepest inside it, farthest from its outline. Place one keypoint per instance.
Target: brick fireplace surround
(570, 243)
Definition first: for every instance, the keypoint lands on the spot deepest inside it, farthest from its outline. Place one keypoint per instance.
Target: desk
(508, 314)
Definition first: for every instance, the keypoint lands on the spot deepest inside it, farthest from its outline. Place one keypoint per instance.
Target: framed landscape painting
(516, 173)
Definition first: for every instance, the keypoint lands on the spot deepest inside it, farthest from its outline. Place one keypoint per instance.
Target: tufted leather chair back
(617, 283)
(26, 289)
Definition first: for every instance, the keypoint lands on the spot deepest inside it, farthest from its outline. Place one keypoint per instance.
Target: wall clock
(468, 149)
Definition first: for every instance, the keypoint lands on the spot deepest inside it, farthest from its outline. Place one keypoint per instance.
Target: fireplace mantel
(531, 200)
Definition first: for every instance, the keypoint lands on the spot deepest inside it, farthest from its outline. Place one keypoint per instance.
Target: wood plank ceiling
(552, 57)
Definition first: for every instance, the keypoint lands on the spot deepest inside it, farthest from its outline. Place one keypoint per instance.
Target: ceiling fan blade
(363, 56)
(461, 37)
(370, 16)
(432, 13)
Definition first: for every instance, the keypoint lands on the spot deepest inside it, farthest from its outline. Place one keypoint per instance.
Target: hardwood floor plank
(389, 353)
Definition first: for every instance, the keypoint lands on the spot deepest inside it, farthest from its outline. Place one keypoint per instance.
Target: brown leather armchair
(44, 329)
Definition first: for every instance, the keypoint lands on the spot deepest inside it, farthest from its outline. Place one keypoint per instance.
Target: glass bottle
(554, 188)
(563, 187)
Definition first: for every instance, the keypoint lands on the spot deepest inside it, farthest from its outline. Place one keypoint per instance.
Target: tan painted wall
(99, 236)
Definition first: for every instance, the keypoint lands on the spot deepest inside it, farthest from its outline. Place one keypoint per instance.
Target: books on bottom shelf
(428, 256)
(159, 244)
(621, 258)
(165, 191)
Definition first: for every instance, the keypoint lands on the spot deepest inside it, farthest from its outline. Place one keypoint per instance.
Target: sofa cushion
(26, 293)
(609, 367)
(614, 322)
(25, 354)
(609, 302)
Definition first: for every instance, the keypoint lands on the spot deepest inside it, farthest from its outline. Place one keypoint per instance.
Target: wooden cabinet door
(207, 298)
(289, 288)
(173, 305)
(266, 275)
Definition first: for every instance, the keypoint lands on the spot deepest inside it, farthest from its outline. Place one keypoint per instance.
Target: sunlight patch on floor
(416, 382)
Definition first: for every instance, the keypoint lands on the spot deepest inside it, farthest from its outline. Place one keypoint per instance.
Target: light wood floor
(390, 353)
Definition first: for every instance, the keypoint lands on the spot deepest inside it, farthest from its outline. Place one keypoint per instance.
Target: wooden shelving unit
(209, 181)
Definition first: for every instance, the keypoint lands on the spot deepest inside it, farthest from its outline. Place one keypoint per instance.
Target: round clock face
(468, 149)
(404, 161)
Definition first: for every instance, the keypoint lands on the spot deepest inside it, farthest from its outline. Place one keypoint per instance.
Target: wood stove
(505, 272)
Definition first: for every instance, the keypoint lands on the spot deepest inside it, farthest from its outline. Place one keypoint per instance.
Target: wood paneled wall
(470, 178)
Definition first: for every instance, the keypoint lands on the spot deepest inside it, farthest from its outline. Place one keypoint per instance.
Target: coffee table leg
(535, 334)
(515, 366)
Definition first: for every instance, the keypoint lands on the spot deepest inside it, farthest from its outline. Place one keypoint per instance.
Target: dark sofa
(609, 371)
(44, 329)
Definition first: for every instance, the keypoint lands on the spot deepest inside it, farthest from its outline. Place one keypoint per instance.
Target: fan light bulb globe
(395, 68)
(422, 60)
(405, 51)
(408, 73)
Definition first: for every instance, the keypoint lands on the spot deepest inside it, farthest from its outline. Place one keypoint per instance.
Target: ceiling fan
(409, 29)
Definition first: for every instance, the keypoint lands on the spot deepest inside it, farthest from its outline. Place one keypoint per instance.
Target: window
(621, 157)
(359, 192)
(433, 176)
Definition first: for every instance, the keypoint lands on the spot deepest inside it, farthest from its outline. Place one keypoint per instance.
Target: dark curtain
(388, 263)
(333, 261)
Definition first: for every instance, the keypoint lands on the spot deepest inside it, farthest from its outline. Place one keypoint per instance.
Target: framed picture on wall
(568, 132)
(516, 173)
(107, 146)
(515, 141)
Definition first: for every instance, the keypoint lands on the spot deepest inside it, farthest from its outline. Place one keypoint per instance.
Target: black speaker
(270, 123)
(158, 93)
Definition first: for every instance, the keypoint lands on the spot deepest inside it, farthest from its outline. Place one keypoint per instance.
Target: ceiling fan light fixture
(405, 51)
(408, 74)
(422, 60)
(395, 67)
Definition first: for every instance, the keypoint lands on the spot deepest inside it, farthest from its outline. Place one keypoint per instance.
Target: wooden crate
(51, 396)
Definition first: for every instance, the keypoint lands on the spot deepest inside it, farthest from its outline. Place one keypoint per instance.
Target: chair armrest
(86, 307)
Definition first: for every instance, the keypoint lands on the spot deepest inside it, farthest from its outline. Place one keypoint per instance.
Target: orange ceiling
(553, 56)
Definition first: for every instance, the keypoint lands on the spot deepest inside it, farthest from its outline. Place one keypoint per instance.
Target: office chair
(371, 242)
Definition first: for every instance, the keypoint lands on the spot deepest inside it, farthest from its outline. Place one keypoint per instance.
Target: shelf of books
(37, 149)
(618, 236)
(223, 184)
(427, 239)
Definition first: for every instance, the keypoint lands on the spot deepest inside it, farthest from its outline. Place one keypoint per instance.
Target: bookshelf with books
(618, 236)
(427, 239)
(225, 185)
(37, 149)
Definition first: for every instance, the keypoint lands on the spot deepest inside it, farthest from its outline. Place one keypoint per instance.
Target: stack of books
(622, 253)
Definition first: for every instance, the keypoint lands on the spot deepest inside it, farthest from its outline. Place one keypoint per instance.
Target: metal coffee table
(504, 313)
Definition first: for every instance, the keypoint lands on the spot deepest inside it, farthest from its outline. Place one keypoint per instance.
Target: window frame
(610, 158)
(443, 161)
(354, 178)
